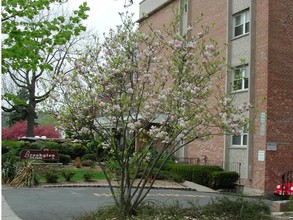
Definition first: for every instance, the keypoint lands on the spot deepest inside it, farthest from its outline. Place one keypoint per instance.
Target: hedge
(197, 173)
(64, 159)
(165, 167)
(211, 176)
(224, 179)
(45, 144)
(14, 147)
(92, 157)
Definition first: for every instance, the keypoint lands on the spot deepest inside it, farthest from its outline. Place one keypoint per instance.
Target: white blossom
(102, 104)
(116, 108)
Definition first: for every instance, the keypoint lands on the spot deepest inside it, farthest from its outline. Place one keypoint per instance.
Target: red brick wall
(260, 93)
(214, 15)
(273, 83)
(280, 90)
(160, 18)
(213, 149)
(273, 91)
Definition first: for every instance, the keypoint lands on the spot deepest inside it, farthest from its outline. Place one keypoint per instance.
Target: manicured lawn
(79, 175)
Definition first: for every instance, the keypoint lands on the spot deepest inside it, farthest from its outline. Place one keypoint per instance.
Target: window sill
(240, 36)
(239, 91)
(243, 147)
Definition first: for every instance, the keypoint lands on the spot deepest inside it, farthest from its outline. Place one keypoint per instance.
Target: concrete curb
(101, 185)
(187, 185)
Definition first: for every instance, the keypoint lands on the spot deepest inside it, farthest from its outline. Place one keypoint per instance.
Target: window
(241, 78)
(241, 23)
(240, 140)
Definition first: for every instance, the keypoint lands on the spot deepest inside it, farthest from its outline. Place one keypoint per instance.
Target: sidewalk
(7, 213)
(198, 187)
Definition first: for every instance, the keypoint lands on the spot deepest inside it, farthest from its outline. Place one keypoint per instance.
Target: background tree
(35, 47)
(146, 96)
(17, 110)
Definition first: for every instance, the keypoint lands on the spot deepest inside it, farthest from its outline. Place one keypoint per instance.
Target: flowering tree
(145, 93)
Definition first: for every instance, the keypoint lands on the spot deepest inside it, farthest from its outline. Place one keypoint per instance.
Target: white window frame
(240, 78)
(243, 25)
(243, 138)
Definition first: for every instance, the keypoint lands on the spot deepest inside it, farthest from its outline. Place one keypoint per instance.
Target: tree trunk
(31, 108)
(31, 119)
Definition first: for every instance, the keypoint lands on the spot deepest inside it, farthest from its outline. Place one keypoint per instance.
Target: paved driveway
(66, 203)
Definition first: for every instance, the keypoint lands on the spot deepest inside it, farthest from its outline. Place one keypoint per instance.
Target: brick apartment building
(260, 32)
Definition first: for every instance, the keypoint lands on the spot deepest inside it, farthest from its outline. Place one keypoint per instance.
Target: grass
(291, 203)
(78, 176)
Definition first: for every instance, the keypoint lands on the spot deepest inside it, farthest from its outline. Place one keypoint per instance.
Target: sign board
(271, 146)
(262, 117)
(36, 154)
(261, 155)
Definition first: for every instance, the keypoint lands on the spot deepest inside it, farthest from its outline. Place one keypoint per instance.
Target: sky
(104, 15)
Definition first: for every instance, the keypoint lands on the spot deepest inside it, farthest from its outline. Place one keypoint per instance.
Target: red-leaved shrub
(19, 129)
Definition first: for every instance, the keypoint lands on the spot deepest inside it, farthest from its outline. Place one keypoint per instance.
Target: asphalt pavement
(8, 214)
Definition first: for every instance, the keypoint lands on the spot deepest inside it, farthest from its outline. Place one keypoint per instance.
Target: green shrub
(223, 179)
(92, 157)
(8, 171)
(67, 174)
(290, 203)
(185, 171)
(11, 144)
(239, 208)
(9, 166)
(78, 150)
(197, 173)
(165, 175)
(51, 176)
(64, 159)
(223, 208)
(4, 149)
(88, 177)
(74, 150)
(14, 147)
(67, 149)
(45, 144)
(8, 156)
(96, 146)
(160, 162)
